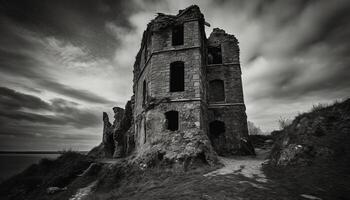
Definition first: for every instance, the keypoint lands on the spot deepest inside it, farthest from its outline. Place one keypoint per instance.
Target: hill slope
(313, 152)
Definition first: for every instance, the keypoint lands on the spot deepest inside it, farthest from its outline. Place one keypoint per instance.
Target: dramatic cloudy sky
(64, 62)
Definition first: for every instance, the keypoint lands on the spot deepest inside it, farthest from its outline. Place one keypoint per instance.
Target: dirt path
(251, 167)
(248, 166)
(82, 193)
(108, 161)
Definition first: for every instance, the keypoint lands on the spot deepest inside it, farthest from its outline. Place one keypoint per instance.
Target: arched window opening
(172, 118)
(178, 35)
(177, 76)
(216, 90)
(216, 128)
(214, 55)
(144, 92)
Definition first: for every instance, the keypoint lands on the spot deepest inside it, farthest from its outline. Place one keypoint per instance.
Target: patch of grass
(324, 179)
(318, 107)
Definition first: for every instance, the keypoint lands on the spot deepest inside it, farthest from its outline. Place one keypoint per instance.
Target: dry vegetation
(312, 153)
(33, 182)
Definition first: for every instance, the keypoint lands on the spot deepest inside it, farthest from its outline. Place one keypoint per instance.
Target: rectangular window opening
(214, 55)
(172, 118)
(177, 76)
(178, 35)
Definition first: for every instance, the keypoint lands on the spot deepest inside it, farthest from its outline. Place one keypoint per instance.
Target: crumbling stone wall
(154, 125)
(107, 138)
(118, 138)
(148, 131)
(231, 75)
(157, 53)
(150, 123)
(228, 43)
(235, 140)
(231, 110)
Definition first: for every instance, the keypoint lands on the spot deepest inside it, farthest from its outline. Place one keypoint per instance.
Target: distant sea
(14, 163)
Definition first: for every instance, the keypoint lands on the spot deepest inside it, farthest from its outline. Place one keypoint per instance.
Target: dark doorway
(216, 90)
(216, 128)
(214, 55)
(216, 135)
(172, 118)
(177, 79)
(178, 35)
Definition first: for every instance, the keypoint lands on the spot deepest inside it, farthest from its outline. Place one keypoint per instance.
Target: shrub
(283, 122)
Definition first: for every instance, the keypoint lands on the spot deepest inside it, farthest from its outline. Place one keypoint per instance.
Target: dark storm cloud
(80, 21)
(62, 112)
(301, 35)
(45, 137)
(294, 53)
(44, 132)
(42, 42)
(20, 65)
(26, 25)
(74, 93)
(12, 100)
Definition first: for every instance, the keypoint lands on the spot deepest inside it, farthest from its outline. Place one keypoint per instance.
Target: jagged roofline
(218, 31)
(170, 20)
(147, 32)
(162, 15)
(182, 12)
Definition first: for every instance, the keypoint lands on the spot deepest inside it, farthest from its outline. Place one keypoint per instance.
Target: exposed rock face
(107, 140)
(322, 134)
(118, 138)
(127, 126)
(118, 132)
(191, 150)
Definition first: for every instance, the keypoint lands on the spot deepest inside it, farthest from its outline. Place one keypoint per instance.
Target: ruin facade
(184, 81)
(188, 97)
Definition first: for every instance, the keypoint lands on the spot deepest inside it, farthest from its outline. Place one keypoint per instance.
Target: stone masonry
(188, 99)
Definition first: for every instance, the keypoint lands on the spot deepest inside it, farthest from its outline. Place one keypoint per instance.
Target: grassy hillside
(313, 152)
(33, 182)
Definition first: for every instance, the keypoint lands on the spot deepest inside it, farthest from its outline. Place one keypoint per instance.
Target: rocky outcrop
(107, 138)
(117, 140)
(322, 134)
(118, 133)
(127, 127)
(191, 150)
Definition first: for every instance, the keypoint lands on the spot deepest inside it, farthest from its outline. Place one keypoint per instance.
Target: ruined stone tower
(187, 86)
(188, 103)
